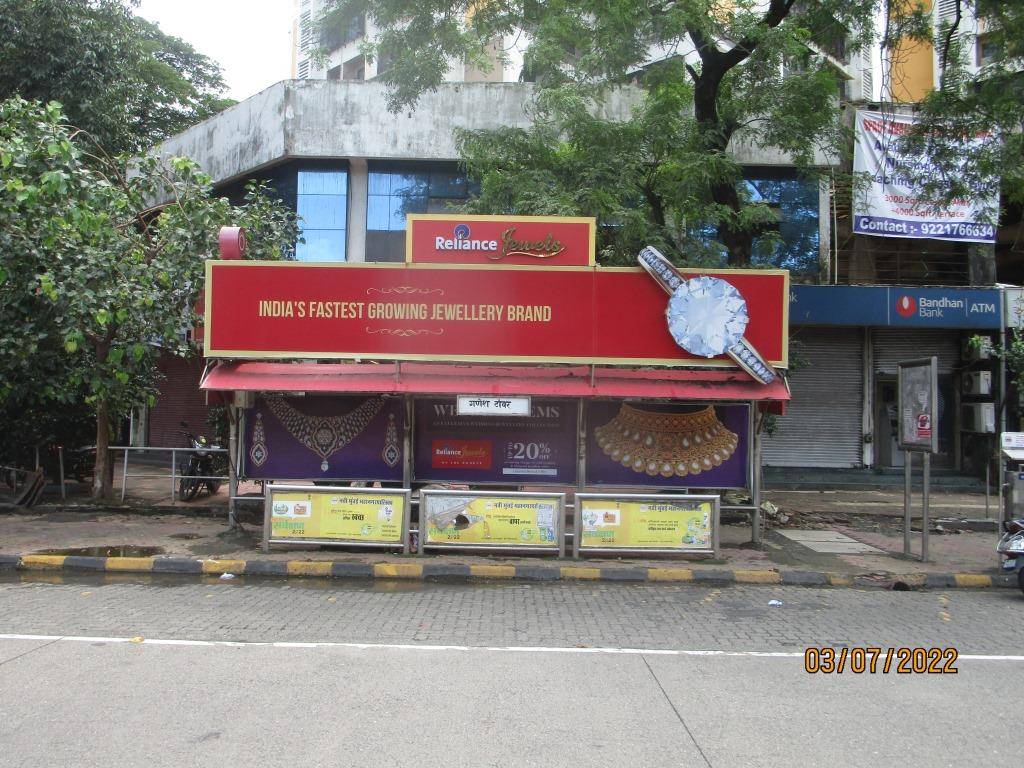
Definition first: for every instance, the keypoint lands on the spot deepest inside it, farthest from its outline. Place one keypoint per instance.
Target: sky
(250, 39)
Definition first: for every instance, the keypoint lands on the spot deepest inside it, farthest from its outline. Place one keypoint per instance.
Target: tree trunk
(102, 479)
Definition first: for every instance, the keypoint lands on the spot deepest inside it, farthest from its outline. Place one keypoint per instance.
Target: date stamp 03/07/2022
(872, 660)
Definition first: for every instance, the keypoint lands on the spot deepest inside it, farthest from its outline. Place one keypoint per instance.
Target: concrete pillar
(358, 188)
(981, 263)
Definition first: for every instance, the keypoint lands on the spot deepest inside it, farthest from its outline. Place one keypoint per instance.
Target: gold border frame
(588, 220)
(209, 351)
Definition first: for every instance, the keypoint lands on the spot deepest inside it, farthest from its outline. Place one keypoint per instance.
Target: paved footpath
(160, 671)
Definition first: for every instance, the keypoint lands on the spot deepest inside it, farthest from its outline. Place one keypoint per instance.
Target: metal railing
(174, 475)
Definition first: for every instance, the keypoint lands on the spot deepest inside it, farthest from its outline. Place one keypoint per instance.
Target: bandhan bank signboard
(526, 240)
(556, 314)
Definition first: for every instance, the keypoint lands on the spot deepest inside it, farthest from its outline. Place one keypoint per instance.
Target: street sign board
(918, 405)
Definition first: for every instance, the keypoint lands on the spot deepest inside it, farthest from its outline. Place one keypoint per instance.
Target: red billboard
(490, 240)
(263, 310)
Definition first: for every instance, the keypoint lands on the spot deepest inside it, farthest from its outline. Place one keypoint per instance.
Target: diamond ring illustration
(707, 316)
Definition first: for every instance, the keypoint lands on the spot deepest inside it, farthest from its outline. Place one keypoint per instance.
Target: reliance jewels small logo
(906, 306)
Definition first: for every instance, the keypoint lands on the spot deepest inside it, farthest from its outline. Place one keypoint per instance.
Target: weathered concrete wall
(350, 119)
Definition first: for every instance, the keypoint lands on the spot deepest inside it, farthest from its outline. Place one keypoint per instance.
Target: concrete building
(352, 170)
(344, 60)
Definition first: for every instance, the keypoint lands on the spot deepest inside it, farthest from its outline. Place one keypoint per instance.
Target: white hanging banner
(890, 206)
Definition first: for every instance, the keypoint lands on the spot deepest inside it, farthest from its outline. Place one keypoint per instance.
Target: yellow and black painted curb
(586, 571)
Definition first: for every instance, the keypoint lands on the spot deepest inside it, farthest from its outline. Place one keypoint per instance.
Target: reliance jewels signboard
(890, 207)
(531, 240)
(265, 310)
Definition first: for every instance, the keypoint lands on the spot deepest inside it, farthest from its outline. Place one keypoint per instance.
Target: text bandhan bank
(590, 315)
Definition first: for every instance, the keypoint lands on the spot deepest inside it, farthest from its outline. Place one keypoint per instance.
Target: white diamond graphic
(706, 316)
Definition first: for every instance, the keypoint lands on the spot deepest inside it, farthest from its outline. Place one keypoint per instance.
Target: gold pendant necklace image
(667, 444)
(324, 435)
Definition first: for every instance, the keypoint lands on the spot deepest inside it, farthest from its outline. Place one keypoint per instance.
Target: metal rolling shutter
(822, 425)
(894, 345)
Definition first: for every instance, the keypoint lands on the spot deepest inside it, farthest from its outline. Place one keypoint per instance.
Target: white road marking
(460, 648)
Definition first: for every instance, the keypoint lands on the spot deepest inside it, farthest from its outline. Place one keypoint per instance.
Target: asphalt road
(173, 672)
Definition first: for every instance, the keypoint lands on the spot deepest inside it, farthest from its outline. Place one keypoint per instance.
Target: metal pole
(232, 469)
(988, 474)
(174, 471)
(581, 475)
(924, 507)
(60, 463)
(1002, 395)
(755, 518)
(907, 470)
(124, 473)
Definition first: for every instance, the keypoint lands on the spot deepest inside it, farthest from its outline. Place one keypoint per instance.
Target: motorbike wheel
(1020, 579)
(188, 487)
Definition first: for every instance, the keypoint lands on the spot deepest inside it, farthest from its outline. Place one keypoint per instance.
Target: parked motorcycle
(198, 465)
(1011, 547)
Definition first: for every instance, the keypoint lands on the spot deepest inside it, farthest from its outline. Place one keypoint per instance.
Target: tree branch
(948, 42)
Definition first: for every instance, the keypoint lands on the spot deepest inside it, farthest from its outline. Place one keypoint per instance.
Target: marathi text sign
(532, 240)
(646, 523)
(891, 206)
(499, 520)
(539, 448)
(258, 310)
(336, 515)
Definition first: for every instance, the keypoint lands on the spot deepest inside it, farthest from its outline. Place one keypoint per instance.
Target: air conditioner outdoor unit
(977, 383)
(978, 417)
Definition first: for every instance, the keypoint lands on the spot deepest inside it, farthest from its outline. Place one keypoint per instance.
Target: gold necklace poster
(343, 438)
(667, 446)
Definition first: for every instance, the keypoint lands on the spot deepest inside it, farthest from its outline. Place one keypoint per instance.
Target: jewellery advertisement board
(336, 515)
(534, 240)
(537, 449)
(319, 438)
(654, 445)
(646, 523)
(264, 310)
(486, 520)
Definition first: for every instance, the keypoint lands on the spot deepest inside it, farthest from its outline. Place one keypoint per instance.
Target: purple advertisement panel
(540, 448)
(668, 446)
(325, 438)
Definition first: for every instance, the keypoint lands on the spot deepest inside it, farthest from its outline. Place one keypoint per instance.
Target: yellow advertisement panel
(506, 521)
(337, 514)
(608, 523)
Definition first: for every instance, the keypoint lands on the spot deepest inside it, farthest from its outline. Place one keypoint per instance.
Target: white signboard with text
(890, 206)
(486, 405)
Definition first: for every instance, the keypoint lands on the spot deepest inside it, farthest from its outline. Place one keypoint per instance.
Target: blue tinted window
(322, 207)
(793, 244)
(321, 245)
(795, 203)
(395, 190)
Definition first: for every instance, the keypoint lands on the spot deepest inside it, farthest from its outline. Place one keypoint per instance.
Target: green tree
(980, 96)
(118, 76)
(711, 74)
(97, 275)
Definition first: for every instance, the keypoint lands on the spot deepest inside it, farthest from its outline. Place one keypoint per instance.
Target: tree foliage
(713, 76)
(981, 100)
(118, 76)
(98, 275)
